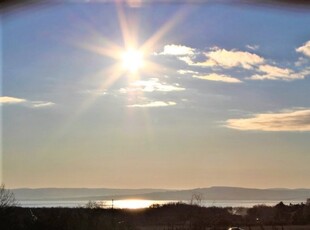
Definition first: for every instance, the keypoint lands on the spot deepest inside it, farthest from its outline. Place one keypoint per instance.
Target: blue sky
(222, 97)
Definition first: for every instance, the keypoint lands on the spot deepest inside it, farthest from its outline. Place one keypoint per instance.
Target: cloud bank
(209, 65)
(293, 120)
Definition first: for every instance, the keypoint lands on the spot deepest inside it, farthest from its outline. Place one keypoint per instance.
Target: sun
(132, 60)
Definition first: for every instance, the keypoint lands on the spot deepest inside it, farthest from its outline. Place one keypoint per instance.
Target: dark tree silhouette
(7, 198)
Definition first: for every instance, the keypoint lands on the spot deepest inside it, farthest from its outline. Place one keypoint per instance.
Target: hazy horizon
(173, 96)
(160, 188)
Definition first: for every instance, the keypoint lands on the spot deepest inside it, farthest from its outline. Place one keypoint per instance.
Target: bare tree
(197, 199)
(95, 204)
(7, 197)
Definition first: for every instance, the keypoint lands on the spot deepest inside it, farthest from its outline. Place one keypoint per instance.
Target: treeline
(169, 216)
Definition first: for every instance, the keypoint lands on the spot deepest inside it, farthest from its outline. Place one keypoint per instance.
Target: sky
(156, 96)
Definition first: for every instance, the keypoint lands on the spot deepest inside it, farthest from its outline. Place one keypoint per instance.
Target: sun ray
(113, 73)
(177, 18)
(85, 105)
(128, 38)
(100, 45)
(109, 50)
(157, 68)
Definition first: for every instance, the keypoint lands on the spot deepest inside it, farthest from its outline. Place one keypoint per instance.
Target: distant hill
(73, 193)
(212, 193)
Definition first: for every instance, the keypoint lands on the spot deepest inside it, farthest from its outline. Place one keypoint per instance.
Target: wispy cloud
(189, 61)
(305, 49)
(177, 50)
(11, 100)
(276, 73)
(185, 71)
(34, 104)
(98, 92)
(40, 104)
(153, 104)
(291, 120)
(150, 86)
(305, 72)
(301, 61)
(252, 47)
(218, 77)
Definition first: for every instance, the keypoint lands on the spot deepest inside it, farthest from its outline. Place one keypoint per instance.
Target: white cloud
(150, 86)
(153, 104)
(305, 49)
(292, 120)
(276, 73)
(177, 50)
(11, 100)
(218, 77)
(40, 104)
(232, 58)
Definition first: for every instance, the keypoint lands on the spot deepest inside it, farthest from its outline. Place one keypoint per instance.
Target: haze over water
(135, 204)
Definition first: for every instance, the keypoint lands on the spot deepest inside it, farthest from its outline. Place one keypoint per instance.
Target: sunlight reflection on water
(132, 204)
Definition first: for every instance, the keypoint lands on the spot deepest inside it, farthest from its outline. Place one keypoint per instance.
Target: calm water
(132, 204)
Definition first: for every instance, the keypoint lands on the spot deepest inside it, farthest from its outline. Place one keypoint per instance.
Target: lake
(134, 204)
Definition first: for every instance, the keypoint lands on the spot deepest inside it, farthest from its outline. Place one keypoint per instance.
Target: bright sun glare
(133, 204)
(132, 60)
